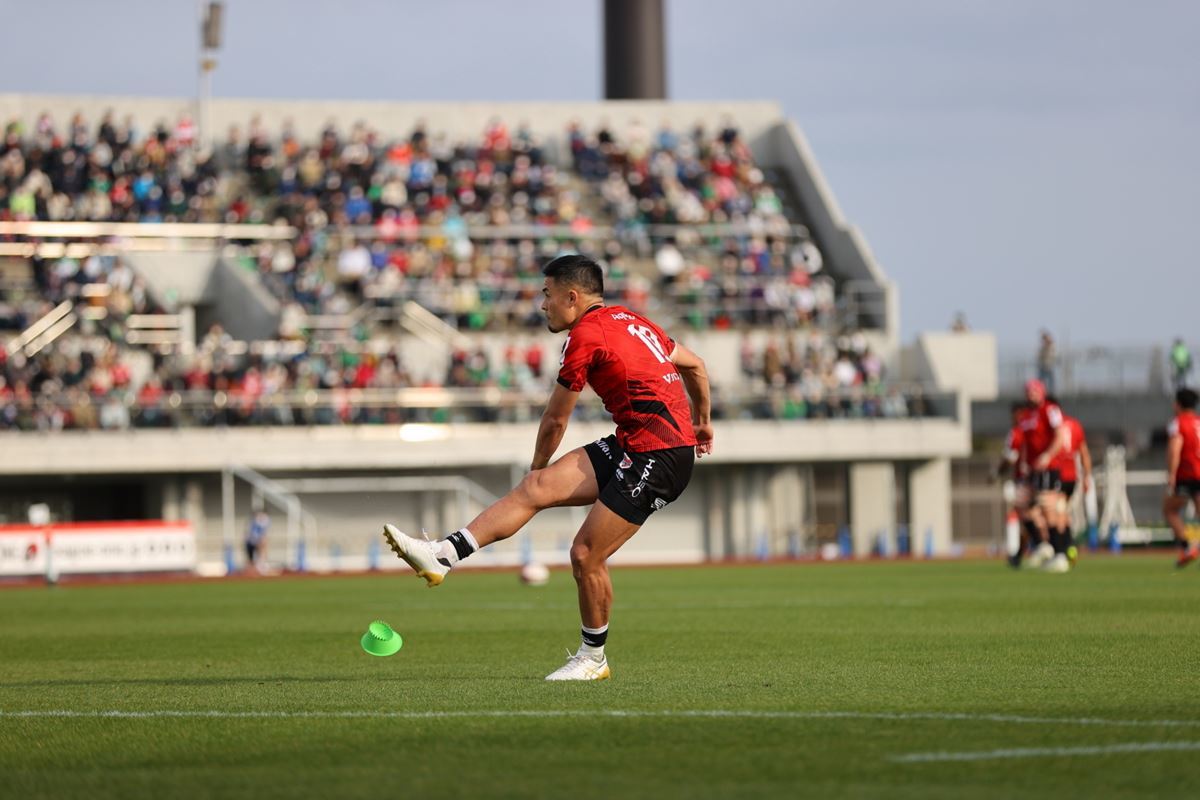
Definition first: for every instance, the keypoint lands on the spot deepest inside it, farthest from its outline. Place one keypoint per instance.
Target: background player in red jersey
(1183, 471)
(645, 380)
(1073, 455)
(1021, 530)
(1045, 438)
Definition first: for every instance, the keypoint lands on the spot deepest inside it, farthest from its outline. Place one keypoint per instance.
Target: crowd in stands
(698, 232)
(815, 376)
(86, 382)
(103, 283)
(382, 218)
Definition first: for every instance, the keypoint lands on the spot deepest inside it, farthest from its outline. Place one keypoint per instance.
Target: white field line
(917, 716)
(1042, 752)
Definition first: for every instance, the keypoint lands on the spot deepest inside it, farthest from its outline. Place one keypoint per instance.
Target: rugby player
(1022, 534)
(1074, 453)
(1046, 437)
(645, 379)
(1183, 472)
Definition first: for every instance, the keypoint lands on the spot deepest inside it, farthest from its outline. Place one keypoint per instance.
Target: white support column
(872, 503)
(738, 513)
(929, 506)
(172, 509)
(756, 487)
(193, 506)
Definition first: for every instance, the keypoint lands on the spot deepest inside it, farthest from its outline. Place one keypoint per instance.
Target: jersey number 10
(650, 340)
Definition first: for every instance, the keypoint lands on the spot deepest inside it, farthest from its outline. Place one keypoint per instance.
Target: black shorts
(1187, 489)
(1068, 488)
(635, 485)
(1048, 480)
(251, 551)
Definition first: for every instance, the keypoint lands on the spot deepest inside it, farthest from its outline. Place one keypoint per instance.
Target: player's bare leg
(569, 481)
(1173, 511)
(602, 534)
(1040, 550)
(1052, 506)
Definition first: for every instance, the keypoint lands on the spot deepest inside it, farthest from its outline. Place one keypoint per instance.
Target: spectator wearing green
(1181, 364)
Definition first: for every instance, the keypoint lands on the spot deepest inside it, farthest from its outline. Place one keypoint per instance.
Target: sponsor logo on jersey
(659, 503)
(623, 315)
(626, 463)
(672, 377)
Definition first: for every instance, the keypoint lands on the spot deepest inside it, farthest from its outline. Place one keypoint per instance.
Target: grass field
(921, 680)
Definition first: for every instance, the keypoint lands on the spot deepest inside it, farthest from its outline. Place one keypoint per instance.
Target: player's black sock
(595, 637)
(1031, 535)
(462, 544)
(1058, 538)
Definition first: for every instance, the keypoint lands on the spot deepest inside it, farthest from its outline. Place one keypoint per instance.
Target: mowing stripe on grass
(915, 716)
(1040, 752)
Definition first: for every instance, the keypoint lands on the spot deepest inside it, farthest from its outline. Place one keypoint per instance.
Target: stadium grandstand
(335, 309)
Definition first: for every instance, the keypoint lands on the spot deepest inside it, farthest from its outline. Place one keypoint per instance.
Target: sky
(1031, 163)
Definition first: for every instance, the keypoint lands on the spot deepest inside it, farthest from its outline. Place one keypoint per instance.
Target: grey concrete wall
(241, 304)
(961, 362)
(382, 447)
(182, 278)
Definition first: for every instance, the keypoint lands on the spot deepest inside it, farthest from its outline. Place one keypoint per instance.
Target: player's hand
(704, 440)
(1042, 463)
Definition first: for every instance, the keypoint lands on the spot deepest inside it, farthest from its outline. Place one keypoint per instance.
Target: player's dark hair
(1186, 398)
(579, 271)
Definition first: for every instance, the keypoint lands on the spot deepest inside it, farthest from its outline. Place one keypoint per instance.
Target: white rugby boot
(1060, 563)
(582, 667)
(1040, 555)
(421, 554)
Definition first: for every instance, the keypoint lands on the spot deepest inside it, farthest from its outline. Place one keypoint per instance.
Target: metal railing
(318, 407)
(1096, 369)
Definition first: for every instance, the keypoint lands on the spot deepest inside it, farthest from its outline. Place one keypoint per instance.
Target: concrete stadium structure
(771, 487)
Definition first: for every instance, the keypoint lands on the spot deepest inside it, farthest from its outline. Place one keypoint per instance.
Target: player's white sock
(1012, 535)
(457, 546)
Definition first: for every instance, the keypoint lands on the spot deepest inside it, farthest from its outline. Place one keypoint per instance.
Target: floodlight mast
(210, 14)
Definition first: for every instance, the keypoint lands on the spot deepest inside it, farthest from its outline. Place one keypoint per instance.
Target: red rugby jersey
(626, 359)
(1187, 425)
(1040, 426)
(1065, 461)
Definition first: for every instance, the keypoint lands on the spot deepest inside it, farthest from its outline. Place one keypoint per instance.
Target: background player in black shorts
(646, 381)
(1183, 472)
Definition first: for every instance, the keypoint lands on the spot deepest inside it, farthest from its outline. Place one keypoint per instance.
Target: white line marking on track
(916, 716)
(1041, 752)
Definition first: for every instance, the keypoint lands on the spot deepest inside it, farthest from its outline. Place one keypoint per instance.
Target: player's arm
(1174, 452)
(695, 380)
(1003, 466)
(1062, 441)
(1008, 458)
(554, 425)
(1085, 455)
